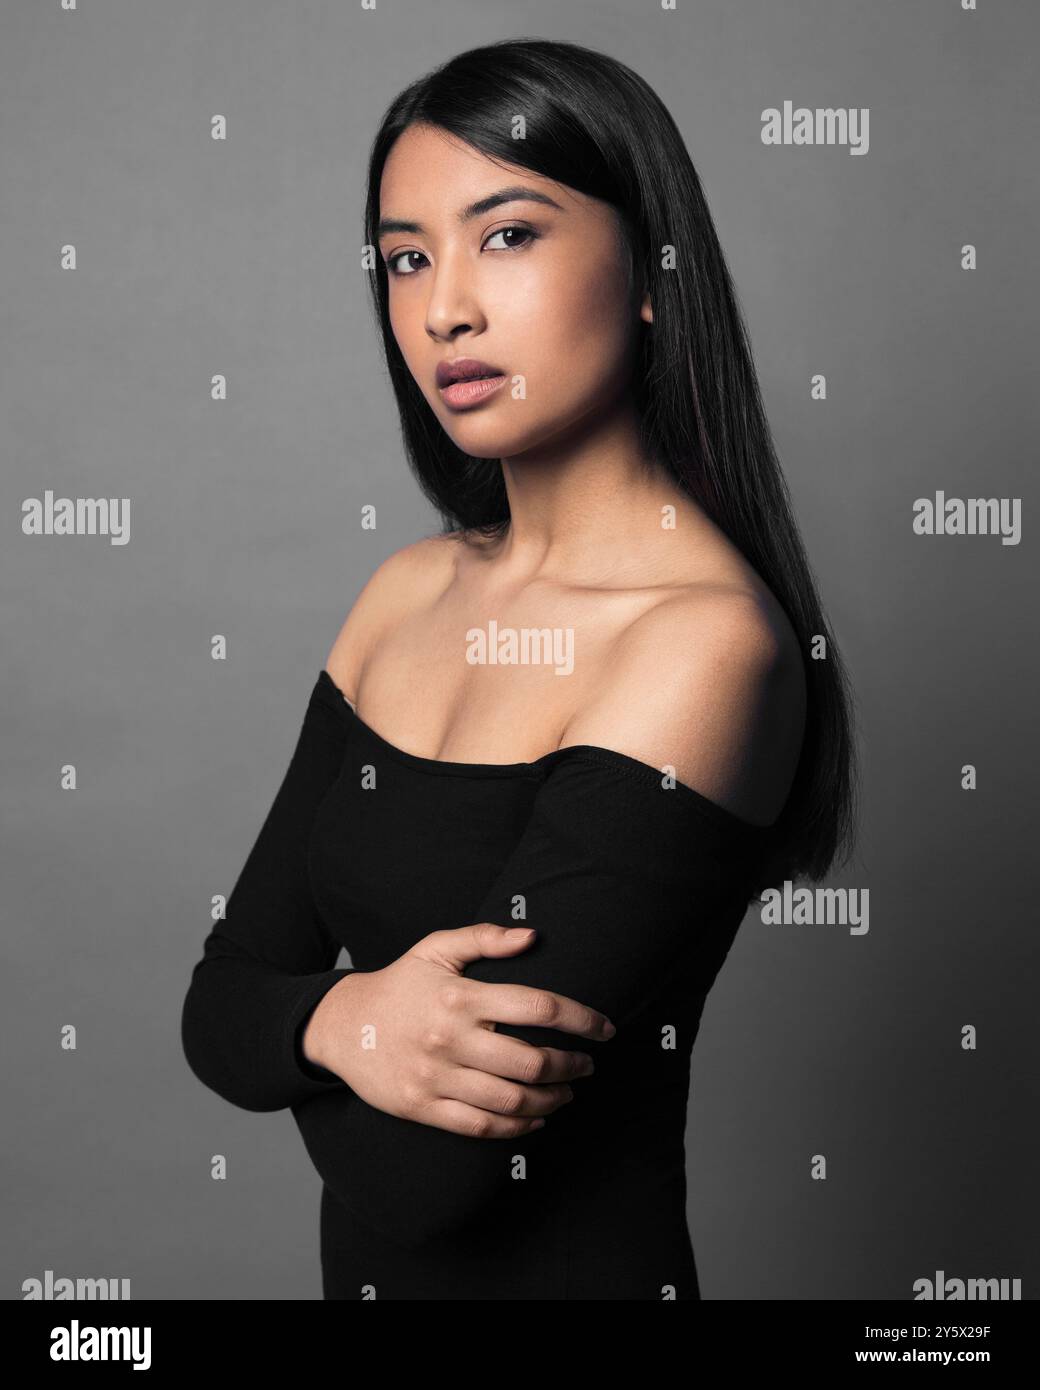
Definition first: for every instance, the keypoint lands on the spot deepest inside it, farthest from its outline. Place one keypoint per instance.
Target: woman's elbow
(204, 1053)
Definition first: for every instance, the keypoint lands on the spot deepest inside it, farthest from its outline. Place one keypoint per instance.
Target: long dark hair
(596, 126)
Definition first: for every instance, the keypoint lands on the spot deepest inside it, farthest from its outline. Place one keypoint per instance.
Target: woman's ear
(646, 313)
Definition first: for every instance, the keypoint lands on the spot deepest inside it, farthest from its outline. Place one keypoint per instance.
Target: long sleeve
(268, 964)
(630, 886)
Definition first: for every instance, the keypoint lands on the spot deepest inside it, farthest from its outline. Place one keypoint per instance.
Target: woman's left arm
(626, 883)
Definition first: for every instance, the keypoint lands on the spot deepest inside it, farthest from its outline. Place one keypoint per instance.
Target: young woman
(603, 707)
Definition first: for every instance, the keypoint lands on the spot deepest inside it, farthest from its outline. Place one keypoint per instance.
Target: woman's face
(536, 290)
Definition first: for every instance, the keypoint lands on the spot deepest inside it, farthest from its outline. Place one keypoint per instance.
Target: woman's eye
(394, 263)
(506, 231)
(391, 262)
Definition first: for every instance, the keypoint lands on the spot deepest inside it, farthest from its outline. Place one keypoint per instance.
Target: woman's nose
(453, 303)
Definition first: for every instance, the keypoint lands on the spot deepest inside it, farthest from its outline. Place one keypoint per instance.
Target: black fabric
(636, 890)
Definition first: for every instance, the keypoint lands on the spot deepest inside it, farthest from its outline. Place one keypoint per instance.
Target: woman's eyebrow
(515, 194)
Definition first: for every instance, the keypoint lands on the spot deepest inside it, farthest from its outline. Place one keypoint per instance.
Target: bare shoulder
(403, 580)
(709, 683)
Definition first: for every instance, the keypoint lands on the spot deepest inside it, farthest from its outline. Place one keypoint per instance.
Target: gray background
(198, 257)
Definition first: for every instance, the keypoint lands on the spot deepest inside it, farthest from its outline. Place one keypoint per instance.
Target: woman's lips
(461, 395)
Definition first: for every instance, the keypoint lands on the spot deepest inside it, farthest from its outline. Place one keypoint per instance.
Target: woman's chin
(487, 441)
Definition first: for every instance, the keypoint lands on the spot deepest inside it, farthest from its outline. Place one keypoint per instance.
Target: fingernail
(538, 1124)
(608, 1029)
(516, 932)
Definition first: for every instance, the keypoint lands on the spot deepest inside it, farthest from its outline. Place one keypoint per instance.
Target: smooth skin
(437, 1057)
(683, 658)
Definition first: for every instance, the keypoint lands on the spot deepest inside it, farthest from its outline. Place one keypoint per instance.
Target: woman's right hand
(417, 1039)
